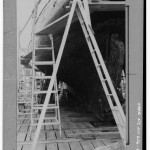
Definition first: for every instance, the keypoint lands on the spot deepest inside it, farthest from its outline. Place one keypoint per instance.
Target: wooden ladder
(52, 115)
(104, 76)
(105, 79)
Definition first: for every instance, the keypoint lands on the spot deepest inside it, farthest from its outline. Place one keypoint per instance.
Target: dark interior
(77, 68)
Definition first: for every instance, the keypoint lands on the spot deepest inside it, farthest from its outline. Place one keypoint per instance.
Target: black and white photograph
(73, 75)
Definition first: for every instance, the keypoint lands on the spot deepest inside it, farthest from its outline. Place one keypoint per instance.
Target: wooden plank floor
(77, 133)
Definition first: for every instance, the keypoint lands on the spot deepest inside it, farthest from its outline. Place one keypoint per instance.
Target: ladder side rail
(121, 128)
(18, 77)
(57, 111)
(86, 7)
(33, 65)
(53, 75)
(102, 62)
(101, 76)
(55, 84)
(53, 59)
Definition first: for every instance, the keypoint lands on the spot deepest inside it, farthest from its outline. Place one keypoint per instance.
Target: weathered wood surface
(78, 135)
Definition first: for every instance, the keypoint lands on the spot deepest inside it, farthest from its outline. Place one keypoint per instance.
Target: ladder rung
(25, 49)
(41, 105)
(43, 48)
(47, 123)
(24, 91)
(109, 94)
(43, 92)
(25, 109)
(21, 58)
(115, 109)
(52, 107)
(24, 102)
(24, 118)
(46, 118)
(104, 80)
(44, 62)
(25, 69)
(25, 80)
(93, 51)
(23, 113)
(120, 124)
(42, 77)
(98, 65)
(88, 37)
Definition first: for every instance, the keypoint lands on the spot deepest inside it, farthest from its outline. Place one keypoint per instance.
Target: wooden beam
(99, 2)
(57, 25)
(113, 146)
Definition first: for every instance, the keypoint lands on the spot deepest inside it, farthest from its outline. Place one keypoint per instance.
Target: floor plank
(73, 123)
(42, 136)
(50, 135)
(87, 145)
(52, 146)
(38, 147)
(97, 143)
(77, 131)
(24, 128)
(28, 137)
(18, 128)
(63, 135)
(107, 142)
(75, 146)
(19, 146)
(87, 124)
(48, 127)
(27, 121)
(80, 126)
(67, 132)
(63, 146)
(21, 136)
